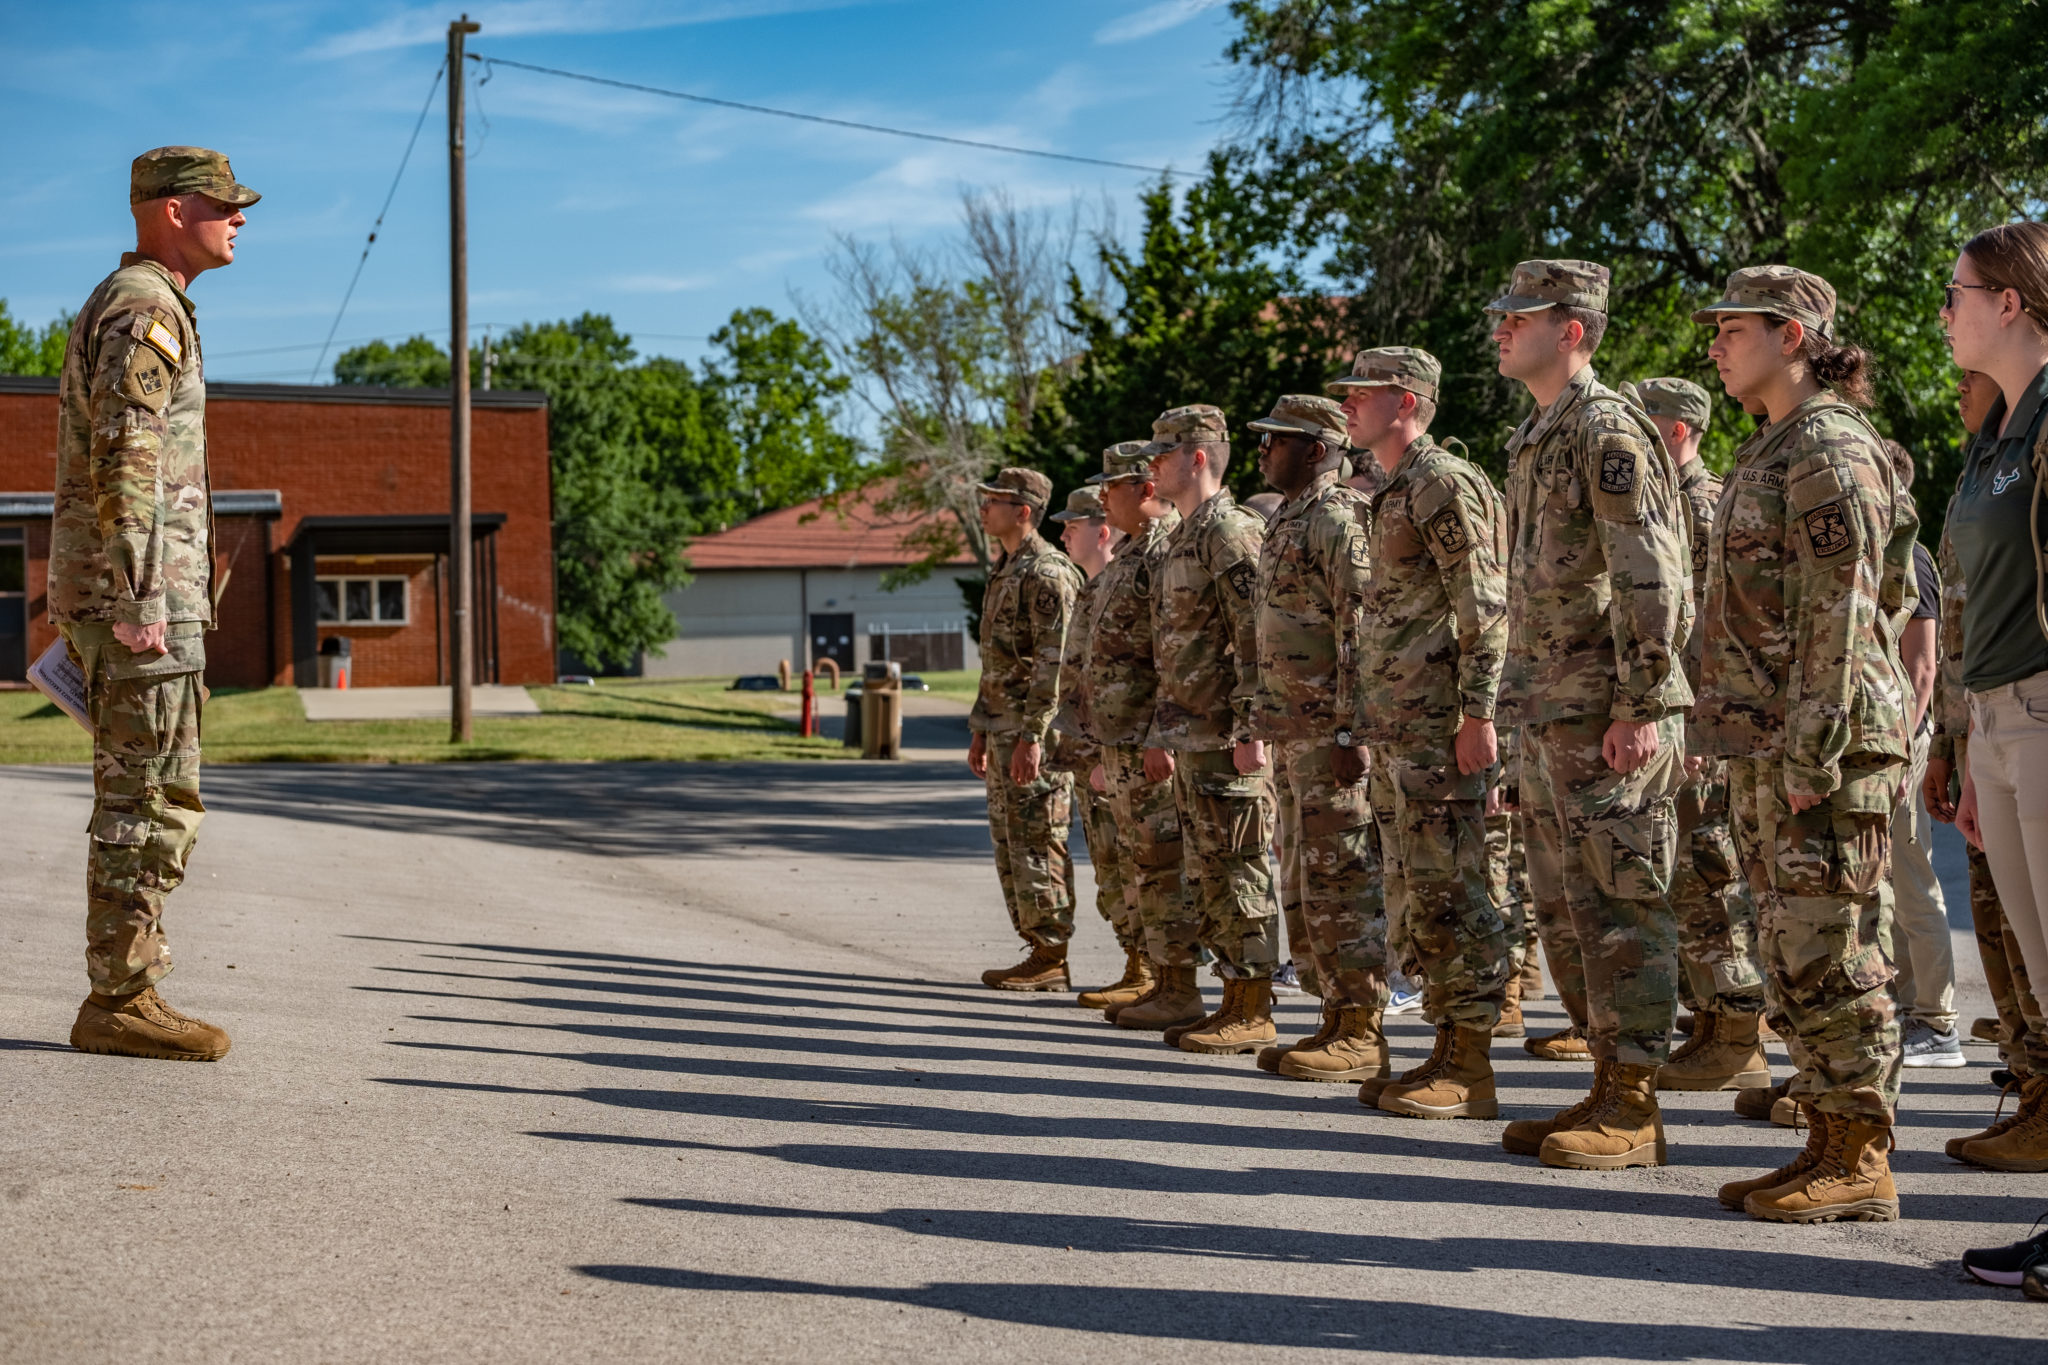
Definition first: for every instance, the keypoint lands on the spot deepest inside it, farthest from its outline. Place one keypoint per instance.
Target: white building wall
(732, 621)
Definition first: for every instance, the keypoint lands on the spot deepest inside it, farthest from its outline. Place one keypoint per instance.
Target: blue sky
(665, 215)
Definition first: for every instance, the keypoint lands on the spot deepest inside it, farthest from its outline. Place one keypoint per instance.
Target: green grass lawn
(960, 684)
(626, 718)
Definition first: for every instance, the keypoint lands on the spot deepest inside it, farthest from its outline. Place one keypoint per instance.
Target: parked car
(756, 682)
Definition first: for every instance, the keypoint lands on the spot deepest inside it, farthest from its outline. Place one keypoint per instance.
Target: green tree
(413, 364)
(1421, 147)
(28, 350)
(645, 455)
(1203, 312)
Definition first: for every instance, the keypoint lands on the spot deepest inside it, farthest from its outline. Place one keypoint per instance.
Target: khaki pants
(2009, 767)
(1923, 951)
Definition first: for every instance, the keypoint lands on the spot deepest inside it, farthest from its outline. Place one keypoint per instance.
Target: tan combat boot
(1269, 1057)
(1756, 1104)
(1245, 1024)
(1532, 977)
(1568, 1045)
(1137, 979)
(1177, 1000)
(1525, 1137)
(1987, 1031)
(1369, 1092)
(1171, 1037)
(1736, 1193)
(1461, 1087)
(2023, 1145)
(1045, 969)
(1157, 970)
(1511, 1024)
(2000, 1120)
(142, 1025)
(1625, 1129)
(1852, 1180)
(1355, 1051)
(1723, 1054)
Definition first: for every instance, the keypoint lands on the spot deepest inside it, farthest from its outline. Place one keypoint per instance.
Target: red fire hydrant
(810, 723)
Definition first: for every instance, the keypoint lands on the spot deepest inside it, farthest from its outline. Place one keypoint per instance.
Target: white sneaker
(1286, 980)
(1405, 1002)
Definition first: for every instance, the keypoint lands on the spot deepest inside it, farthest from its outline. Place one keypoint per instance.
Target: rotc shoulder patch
(1244, 579)
(1617, 468)
(1827, 529)
(1448, 530)
(1047, 602)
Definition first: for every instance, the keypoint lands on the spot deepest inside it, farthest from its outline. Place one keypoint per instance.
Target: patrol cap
(1681, 400)
(1019, 485)
(1401, 367)
(1124, 460)
(1627, 389)
(1537, 285)
(165, 171)
(1779, 290)
(1083, 504)
(1177, 426)
(1307, 414)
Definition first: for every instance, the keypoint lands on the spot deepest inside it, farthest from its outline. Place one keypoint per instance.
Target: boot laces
(1702, 1036)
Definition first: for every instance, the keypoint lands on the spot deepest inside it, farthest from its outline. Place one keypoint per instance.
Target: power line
(391, 194)
(428, 332)
(820, 118)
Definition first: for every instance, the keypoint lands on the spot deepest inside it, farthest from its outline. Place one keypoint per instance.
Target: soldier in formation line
(1375, 640)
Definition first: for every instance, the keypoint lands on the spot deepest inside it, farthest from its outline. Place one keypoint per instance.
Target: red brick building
(331, 504)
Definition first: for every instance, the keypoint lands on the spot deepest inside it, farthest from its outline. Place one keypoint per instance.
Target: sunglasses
(1951, 289)
(1266, 438)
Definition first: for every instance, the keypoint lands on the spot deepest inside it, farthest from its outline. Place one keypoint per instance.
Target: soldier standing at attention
(1709, 896)
(1205, 643)
(1090, 542)
(1598, 612)
(133, 586)
(1024, 615)
(1435, 628)
(1311, 590)
(1122, 684)
(1801, 689)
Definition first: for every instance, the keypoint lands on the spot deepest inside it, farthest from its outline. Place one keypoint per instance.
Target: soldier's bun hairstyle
(1902, 462)
(1843, 369)
(2015, 256)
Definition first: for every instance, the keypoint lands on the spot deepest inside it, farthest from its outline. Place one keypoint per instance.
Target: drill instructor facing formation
(133, 586)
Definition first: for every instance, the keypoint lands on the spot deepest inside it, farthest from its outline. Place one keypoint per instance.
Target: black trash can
(851, 739)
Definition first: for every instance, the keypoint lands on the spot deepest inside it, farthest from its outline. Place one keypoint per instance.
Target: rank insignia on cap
(162, 338)
(1449, 532)
(1618, 472)
(1828, 529)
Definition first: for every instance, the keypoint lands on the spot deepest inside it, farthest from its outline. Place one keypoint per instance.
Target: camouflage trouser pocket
(121, 829)
(1822, 852)
(1713, 856)
(1862, 852)
(1630, 859)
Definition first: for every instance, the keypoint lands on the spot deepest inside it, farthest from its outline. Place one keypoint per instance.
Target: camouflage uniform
(1024, 615)
(1597, 613)
(1435, 627)
(1709, 897)
(2025, 1044)
(1205, 645)
(132, 542)
(1809, 573)
(1311, 584)
(1076, 754)
(1121, 684)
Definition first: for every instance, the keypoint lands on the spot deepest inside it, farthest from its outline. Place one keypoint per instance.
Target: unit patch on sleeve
(1449, 530)
(1244, 580)
(1617, 470)
(1828, 530)
(1048, 600)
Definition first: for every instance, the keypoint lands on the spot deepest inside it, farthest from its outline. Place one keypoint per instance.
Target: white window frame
(376, 598)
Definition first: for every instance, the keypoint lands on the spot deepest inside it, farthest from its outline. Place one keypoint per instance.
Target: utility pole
(461, 626)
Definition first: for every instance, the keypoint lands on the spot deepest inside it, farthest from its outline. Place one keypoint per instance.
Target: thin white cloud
(1152, 19)
(662, 284)
(419, 25)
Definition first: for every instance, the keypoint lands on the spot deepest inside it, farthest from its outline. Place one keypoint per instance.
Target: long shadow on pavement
(1235, 1316)
(1718, 1267)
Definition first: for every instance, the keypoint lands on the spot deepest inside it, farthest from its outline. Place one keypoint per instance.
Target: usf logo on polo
(2002, 481)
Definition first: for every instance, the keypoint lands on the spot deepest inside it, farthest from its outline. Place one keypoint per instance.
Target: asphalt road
(636, 1062)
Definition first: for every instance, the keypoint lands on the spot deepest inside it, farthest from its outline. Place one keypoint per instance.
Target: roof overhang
(238, 502)
(425, 534)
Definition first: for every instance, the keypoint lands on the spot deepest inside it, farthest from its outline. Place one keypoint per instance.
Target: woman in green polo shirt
(1996, 313)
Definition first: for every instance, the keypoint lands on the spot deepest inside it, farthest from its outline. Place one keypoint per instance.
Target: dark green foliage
(31, 350)
(1422, 147)
(647, 454)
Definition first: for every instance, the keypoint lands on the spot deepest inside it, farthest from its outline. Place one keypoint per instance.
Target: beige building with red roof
(805, 583)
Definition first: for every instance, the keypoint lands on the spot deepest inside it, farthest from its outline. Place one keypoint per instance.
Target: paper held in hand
(57, 676)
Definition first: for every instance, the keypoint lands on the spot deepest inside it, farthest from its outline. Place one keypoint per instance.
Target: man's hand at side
(147, 639)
